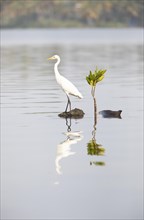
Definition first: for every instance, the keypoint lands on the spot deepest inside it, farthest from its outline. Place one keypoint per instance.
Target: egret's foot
(74, 113)
(111, 114)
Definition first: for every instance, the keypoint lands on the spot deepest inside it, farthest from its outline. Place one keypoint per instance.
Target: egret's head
(55, 57)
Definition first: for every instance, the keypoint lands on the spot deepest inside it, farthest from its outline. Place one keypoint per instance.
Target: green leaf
(95, 77)
(88, 80)
(100, 79)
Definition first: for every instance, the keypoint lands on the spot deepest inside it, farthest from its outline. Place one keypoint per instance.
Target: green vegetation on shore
(71, 13)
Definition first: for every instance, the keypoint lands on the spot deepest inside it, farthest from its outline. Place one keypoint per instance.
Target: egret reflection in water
(64, 148)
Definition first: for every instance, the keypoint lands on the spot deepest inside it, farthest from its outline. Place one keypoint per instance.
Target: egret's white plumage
(66, 85)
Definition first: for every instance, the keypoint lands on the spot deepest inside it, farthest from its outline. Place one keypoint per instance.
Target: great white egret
(65, 84)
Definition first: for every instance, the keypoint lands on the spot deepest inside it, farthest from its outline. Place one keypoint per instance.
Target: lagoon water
(48, 170)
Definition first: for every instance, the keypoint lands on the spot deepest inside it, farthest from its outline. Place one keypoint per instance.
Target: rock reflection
(64, 148)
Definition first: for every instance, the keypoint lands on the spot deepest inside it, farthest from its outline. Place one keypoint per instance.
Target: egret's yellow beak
(50, 58)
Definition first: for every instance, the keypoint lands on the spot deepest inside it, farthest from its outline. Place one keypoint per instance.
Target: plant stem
(95, 112)
(95, 106)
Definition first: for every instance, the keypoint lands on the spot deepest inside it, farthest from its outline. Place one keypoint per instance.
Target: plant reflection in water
(64, 148)
(93, 148)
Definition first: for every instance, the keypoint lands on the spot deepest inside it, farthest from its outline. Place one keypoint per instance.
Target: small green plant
(92, 147)
(93, 79)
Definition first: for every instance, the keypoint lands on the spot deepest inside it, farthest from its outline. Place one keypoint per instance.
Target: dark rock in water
(74, 113)
(110, 114)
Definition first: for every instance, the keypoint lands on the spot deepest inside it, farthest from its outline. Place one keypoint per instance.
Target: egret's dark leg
(68, 104)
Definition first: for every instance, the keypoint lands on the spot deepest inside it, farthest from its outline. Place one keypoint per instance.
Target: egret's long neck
(56, 68)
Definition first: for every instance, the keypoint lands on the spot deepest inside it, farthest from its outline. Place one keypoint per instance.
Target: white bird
(65, 84)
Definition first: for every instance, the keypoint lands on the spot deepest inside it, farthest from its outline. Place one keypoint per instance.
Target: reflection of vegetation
(95, 149)
(97, 163)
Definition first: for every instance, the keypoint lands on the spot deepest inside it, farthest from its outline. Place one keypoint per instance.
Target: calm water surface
(47, 169)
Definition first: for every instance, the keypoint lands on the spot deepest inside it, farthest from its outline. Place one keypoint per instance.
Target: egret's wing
(69, 87)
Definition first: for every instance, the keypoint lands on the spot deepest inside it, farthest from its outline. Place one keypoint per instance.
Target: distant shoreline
(73, 14)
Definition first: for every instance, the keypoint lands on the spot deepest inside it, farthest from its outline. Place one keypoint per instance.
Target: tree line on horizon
(71, 13)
